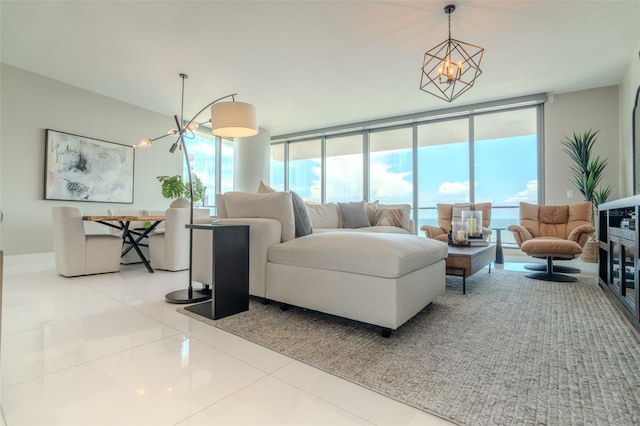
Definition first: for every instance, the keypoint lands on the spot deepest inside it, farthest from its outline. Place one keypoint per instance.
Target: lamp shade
(234, 119)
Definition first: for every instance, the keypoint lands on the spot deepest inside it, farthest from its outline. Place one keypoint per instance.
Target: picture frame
(79, 168)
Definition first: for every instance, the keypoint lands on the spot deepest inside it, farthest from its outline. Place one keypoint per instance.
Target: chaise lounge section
(377, 278)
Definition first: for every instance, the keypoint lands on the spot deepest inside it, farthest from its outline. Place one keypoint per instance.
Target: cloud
(529, 195)
(454, 188)
(389, 186)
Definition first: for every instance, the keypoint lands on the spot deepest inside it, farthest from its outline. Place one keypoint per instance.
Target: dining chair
(169, 249)
(78, 253)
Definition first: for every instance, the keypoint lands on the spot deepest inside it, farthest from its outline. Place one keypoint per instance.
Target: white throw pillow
(323, 215)
(271, 205)
(371, 211)
(264, 188)
(221, 210)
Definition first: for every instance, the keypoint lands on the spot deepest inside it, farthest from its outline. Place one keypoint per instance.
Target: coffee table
(466, 261)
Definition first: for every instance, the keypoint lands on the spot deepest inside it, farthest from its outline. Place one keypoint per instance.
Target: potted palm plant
(586, 175)
(174, 188)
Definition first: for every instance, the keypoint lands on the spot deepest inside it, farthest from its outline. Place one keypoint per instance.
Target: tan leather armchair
(553, 232)
(448, 212)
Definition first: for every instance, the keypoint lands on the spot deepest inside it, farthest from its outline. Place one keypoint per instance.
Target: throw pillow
(272, 205)
(406, 213)
(354, 215)
(301, 216)
(389, 217)
(371, 211)
(221, 210)
(264, 188)
(323, 215)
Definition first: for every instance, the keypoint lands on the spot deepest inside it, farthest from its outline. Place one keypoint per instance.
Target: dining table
(131, 238)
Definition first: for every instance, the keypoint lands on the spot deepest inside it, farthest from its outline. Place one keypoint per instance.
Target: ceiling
(313, 64)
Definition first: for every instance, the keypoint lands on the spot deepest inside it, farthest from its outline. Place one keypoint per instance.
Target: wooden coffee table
(466, 261)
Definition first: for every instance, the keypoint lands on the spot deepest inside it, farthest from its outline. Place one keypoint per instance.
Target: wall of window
(211, 159)
(344, 162)
(305, 169)
(468, 157)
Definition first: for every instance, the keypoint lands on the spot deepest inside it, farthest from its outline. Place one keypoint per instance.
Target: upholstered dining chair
(447, 213)
(169, 248)
(77, 253)
(553, 232)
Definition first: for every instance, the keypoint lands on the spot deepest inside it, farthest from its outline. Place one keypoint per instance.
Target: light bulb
(143, 143)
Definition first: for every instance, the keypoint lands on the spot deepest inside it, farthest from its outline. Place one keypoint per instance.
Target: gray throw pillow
(301, 216)
(354, 215)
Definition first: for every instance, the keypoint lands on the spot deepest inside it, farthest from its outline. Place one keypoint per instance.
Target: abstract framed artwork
(79, 168)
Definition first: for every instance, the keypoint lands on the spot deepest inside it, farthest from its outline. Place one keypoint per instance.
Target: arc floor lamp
(228, 119)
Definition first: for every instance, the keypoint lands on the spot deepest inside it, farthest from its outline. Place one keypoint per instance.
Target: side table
(229, 271)
(499, 256)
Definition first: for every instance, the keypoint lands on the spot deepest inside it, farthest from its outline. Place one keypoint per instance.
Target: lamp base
(188, 296)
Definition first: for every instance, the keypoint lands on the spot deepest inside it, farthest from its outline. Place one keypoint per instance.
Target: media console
(619, 257)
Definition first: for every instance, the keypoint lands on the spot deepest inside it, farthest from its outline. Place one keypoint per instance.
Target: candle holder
(472, 219)
(458, 235)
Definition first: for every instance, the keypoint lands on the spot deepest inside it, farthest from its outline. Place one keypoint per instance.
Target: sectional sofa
(378, 273)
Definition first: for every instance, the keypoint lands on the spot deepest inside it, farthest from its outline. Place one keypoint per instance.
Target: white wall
(30, 104)
(577, 112)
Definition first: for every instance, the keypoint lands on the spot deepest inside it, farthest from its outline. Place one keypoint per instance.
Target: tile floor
(107, 349)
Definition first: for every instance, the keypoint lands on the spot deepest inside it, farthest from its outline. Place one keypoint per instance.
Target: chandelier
(450, 68)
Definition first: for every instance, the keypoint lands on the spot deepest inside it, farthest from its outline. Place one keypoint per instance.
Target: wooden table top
(125, 218)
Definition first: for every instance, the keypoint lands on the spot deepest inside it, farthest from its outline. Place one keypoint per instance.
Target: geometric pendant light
(450, 68)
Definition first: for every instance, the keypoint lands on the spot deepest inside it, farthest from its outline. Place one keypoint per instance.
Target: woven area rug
(511, 351)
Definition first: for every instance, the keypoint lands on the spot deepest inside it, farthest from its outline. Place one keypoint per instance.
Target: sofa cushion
(264, 188)
(406, 213)
(377, 229)
(273, 205)
(323, 215)
(301, 216)
(380, 255)
(371, 211)
(353, 215)
(221, 210)
(388, 217)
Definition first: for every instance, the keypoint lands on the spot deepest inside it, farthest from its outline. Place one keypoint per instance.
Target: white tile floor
(107, 349)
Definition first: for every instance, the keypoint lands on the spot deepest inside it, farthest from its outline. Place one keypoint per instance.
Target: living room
(34, 100)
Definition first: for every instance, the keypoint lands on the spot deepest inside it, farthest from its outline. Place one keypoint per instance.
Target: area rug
(511, 351)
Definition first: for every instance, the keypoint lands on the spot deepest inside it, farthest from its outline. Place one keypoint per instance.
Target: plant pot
(590, 252)
(180, 203)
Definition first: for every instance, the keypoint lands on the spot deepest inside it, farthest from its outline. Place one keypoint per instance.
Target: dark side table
(499, 256)
(229, 271)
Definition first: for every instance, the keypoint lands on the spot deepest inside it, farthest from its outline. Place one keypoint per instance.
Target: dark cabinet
(619, 256)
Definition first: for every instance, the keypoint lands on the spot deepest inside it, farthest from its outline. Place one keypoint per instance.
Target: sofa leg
(385, 332)
(265, 301)
(284, 307)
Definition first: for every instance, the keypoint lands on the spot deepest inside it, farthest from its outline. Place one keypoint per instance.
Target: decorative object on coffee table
(459, 235)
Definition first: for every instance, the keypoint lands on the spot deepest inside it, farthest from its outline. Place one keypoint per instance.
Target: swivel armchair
(553, 232)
